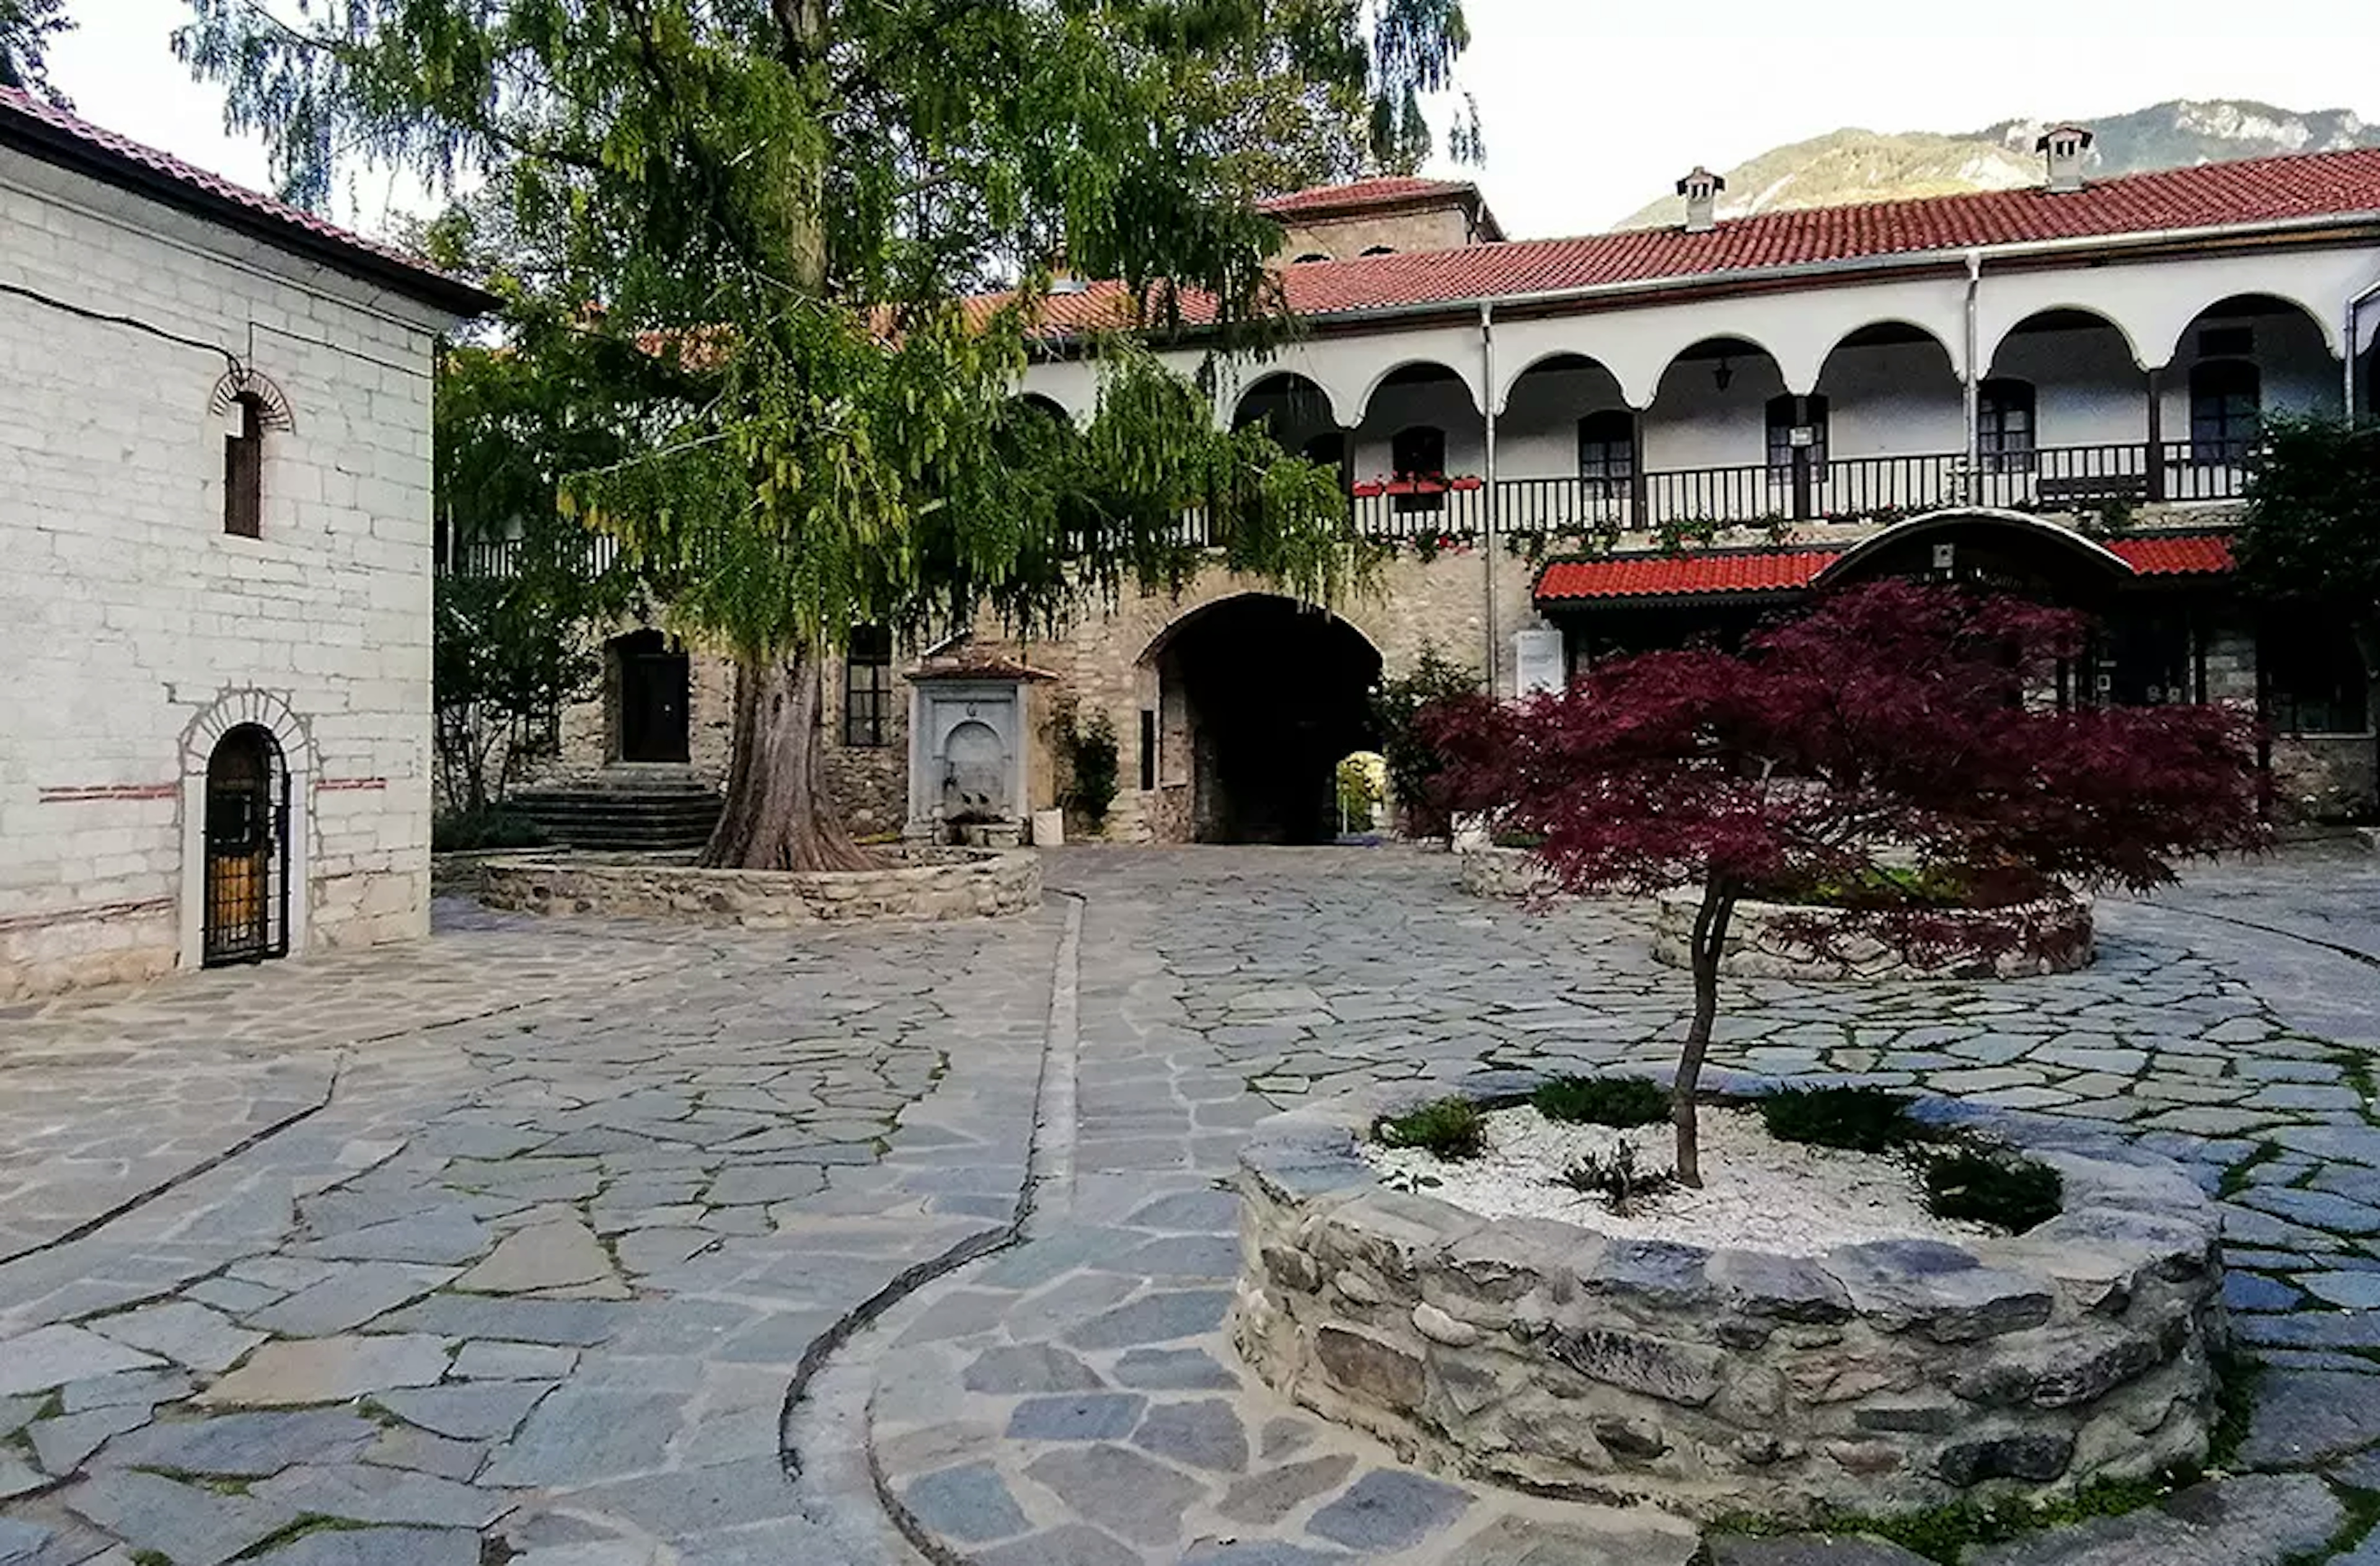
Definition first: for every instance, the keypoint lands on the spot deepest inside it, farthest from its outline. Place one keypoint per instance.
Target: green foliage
(1413, 762)
(1616, 1178)
(26, 29)
(2239, 1176)
(1993, 1186)
(1359, 787)
(1947, 1533)
(490, 827)
(1858, 1119)
(2237, 1377)
(1451, 1128)
(2307, 536)
(1090, 748)
(1603, 1100)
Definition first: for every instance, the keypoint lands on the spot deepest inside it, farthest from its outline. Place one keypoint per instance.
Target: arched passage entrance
(651, 682)
(244, 916)
(1265, 695)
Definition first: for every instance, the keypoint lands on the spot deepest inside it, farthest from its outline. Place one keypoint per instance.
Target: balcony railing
(1839, 488)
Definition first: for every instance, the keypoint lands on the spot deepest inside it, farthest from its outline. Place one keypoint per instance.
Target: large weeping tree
(796, 201)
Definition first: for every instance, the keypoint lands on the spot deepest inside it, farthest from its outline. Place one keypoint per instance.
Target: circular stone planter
(1879, 1378)
(1517, 873)
(1769, 941)
(925, 883)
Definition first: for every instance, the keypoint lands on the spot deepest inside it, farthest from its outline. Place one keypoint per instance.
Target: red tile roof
(45, 129)
(1356, 195)
(1751, 570)
(2258, 190)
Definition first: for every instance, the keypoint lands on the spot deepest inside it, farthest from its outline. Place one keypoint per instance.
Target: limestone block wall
(135, 631)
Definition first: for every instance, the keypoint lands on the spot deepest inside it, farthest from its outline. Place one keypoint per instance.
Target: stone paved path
(518, 1239)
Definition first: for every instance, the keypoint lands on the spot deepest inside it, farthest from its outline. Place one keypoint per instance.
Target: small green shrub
(1993, 1186)
(1858, 1119)
(1603, 1100)
(1451, 1128)
(493, 827)
(1616, 1178)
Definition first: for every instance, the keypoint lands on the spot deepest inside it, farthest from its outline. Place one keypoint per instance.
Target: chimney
(2065, 146)
(1701, 190)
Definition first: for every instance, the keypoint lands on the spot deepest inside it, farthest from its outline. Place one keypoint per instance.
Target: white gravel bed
(1758, 1194)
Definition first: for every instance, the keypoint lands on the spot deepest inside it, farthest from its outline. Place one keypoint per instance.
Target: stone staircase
(626, 809)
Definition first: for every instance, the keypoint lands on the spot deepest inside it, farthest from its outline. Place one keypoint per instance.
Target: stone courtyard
(595, 1243)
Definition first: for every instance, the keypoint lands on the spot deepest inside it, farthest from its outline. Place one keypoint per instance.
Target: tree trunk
(1709, 941)
(778, 816)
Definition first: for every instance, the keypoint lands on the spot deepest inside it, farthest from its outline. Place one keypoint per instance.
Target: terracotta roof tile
(1751, 570)
(24, 117)
(1355, 195)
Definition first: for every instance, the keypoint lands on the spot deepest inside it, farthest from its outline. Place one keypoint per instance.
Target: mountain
(1865, 166)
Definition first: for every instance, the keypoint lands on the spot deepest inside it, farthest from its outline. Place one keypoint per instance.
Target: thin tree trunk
(777, 815)
(1709, 941)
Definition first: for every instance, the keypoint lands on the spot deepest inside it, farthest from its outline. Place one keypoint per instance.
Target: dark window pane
(244, 474)
(2226, 410)
(867, 687)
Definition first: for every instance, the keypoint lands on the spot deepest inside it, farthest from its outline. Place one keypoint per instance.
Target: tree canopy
(26, 29)
(2311, 532)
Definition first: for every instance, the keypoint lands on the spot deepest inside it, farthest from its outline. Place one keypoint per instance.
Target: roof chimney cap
(2066, 147)
(1700, 188)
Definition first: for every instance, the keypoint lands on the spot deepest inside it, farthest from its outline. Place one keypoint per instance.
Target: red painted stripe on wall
(329, 784)
(109, 791)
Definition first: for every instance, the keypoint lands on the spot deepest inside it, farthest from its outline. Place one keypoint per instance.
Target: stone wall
(2324, 778)
(136, 631)
(1773, 940)
(1878, 1377)
(1490, 871)
(920, 884)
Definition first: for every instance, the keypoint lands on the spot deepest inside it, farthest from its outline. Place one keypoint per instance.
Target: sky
(1589, 110)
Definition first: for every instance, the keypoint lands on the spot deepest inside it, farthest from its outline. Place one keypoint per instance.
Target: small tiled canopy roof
(976, 664)
(1730, 573)
(50, 133)
(2256, 190)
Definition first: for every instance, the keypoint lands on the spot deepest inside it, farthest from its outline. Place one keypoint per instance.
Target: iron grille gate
(248, 856)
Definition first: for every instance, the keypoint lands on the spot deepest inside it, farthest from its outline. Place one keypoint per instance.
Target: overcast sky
(1589, 112)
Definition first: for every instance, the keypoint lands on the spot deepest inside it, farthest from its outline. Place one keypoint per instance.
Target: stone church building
(1624, 440)
(214, 508)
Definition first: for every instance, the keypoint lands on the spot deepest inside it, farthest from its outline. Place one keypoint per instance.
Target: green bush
(1603, 1100)
(1451, 1128)
(1858, 1119)
(493, 827)
(1617, 1179)
(1994, 1187)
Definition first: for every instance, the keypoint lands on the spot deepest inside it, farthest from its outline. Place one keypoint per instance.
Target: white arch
(1949, 354)
(270, 711)
(2172, 331)
(1510, 384)
(1373, 390)
(1949, 516)
(1760, 349)
(1267, 379)
(1991, 349)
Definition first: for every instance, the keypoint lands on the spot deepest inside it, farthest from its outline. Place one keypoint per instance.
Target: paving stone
(348, 1301)
(2316, 1209)
(361, 1493)
(186, 1524)
(1029, 1368)
(142, 1388)
(1262, 1552)
(1117, 1490)
(1203, 1434)
(2353, 1290)
(577, 1323)
(1809, 1549)
(970, 1503)
(1153, 1318)
(583, 1435)
(19, 1477)
(1611, 1538)
(1071, 1546)
(1092, 1416)
(329, 1370)
(544, 1255)
(2259, 1520)
(1272, 1494)
(2255, 1291)
(485, 1411)
(64, 1444)
(20, 1540)
(403, 1446)
(1178, 1370)
(2303, 1418)
(514, 1362)
(244, 1445)
(687, 1502)
(185, 1333)
(51, 1356)
(378, 1546)
(1389, 1510)
(452, 1236)
(766, 1183)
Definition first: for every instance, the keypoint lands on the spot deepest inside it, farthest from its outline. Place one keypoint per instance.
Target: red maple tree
(1896, 741)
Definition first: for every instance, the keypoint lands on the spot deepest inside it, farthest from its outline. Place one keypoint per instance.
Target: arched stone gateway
(1263, 696)
(2005, 549)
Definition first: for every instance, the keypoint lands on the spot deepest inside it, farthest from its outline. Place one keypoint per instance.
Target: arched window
(1417, 454)
(1786, 414)
(1606, 449)
(1381, 250)
(244, 467)
(2004, 425)
(2226, 407)
(1310, 257)
(245, 915)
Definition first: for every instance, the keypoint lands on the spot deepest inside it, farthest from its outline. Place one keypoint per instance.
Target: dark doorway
(247, 915)
(1276, 694)
(654, 683)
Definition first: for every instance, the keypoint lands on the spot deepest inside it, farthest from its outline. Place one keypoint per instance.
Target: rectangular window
(2004, 417)
(244, 474)
(1797, 423)
(867, 688)
(1148, 750)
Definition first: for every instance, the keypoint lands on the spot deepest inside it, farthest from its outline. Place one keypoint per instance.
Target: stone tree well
(1879, 1378)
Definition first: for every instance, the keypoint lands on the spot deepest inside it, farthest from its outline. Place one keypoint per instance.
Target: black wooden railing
(1807, 489)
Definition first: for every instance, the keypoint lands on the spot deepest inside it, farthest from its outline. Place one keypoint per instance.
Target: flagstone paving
(518, 1239)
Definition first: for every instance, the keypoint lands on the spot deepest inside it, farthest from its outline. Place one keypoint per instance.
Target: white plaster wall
(1694, 422)
(1896, 399)
(1444, 403)
(127, 615)
(2086, 389)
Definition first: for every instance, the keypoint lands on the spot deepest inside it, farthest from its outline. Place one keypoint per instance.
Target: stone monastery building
(1626, 439)
(214, 510)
